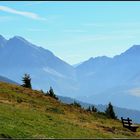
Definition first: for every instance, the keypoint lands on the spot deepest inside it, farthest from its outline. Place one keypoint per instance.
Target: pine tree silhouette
(93, 109)
(110, 111)
(26, 81)
(51, 93)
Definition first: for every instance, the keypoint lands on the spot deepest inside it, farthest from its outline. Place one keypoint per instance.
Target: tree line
(109, 112)
(27, 83)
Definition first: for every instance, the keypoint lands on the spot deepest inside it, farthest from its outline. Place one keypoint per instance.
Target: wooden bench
(127, 123)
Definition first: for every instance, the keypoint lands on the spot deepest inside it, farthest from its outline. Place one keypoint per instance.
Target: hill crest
(41, 116)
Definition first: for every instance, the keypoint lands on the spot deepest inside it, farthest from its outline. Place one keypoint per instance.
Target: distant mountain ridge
(112, 79)
(97, 80)
(120, 112)
(18, 56)
(6, 80)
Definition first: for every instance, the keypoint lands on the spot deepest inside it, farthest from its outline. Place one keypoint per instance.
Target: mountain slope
(18, 56)
(34, 115)
(112, 79)
(2, 41)
(4, 79)
(96, 81)
(120, 112)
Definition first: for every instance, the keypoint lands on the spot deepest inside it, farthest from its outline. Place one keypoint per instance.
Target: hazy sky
(74, 31)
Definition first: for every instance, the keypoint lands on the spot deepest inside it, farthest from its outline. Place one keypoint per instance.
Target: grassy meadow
(26, 113)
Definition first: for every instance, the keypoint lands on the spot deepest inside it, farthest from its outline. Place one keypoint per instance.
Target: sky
(74, 31)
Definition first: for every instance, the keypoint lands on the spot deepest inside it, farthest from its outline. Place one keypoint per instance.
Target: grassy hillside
(26, 113)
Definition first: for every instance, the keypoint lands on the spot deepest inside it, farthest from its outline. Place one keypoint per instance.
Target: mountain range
(114, 79)
(18, 56)
(96, 81)
(6, 80)
(120, 112)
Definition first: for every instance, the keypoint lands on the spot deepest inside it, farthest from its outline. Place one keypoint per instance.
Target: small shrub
(88, 109)
(76, 104)
(47, 94)
(5, 136)
(56, 110)
(102, 113)
(41, 91)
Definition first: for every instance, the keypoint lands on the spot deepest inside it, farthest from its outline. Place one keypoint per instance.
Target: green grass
(26, 113)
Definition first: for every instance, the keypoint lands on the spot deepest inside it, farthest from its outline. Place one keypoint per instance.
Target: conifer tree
(110, 111)
(26, 81)
(93, 109)
(51, 93)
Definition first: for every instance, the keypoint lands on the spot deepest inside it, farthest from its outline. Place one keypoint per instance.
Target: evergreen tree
(110, 111)
(51, 93)
(93, 109)
(26, 81)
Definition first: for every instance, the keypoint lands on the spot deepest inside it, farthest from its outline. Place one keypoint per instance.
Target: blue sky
(74, 31)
